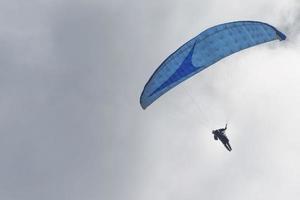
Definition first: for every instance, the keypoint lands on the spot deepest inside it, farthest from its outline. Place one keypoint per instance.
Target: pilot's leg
(229, 146)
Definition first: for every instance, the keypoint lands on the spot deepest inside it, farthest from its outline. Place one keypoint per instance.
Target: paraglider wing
(204, 50)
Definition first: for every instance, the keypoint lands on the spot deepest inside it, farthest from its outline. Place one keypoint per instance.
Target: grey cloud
(72, 128)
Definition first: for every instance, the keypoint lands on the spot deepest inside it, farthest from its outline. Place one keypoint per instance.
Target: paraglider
(220, 134)
(204, 50)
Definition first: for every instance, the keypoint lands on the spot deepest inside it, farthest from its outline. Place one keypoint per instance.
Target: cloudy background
(71, 126)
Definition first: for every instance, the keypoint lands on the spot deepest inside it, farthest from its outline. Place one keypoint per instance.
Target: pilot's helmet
(215, 137)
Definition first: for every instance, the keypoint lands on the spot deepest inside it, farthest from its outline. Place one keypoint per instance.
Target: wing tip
(143, 105)
(280, 35)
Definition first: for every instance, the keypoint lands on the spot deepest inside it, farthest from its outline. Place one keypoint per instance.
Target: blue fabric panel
(204, 50)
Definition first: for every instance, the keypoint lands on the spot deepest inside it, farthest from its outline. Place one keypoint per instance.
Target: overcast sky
(71, 126)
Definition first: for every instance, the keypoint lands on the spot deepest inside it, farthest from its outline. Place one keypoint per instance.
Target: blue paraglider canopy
(204, 50)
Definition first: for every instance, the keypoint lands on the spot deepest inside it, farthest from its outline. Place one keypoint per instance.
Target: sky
(71, 75)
